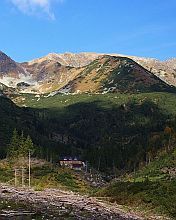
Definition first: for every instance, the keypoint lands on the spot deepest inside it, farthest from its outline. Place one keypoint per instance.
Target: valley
(116, 112)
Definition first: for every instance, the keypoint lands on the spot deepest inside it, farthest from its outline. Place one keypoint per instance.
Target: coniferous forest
(113, 133)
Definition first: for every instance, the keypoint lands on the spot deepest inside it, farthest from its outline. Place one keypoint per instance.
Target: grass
(47, 176)
(153, 197)
(165, 100)
(149, 189)
(155, 170)
(59, 178)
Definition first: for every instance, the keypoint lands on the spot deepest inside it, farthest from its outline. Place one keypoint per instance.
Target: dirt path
(57, 204)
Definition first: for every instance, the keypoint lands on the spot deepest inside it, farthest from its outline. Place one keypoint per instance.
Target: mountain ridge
(56, 71)
(114, 74)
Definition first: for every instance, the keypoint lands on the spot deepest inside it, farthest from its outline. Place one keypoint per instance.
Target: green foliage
(159, 195)
(45, 175)
(110, 130)
(28, 146)
(152, 188)
(14, 145)
(159, 168)
(19, 146)
(6, 175)
(121, 132)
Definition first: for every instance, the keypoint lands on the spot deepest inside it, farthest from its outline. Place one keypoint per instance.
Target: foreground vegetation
(151, 189)
(44, 175)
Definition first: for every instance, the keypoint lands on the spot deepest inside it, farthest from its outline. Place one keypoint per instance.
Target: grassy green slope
(164, 100)
(152, 189)
(107, 130)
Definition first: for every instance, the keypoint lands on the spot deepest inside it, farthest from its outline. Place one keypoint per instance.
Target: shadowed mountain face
(88, 72)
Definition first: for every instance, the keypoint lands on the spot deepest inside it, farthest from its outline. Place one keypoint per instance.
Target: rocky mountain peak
(9, 67)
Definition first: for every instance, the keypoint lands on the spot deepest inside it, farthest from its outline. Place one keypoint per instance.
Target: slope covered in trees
(23, 120)
(114, 132)
(19, 146)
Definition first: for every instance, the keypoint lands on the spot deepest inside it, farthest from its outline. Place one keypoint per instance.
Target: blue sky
(34, 28)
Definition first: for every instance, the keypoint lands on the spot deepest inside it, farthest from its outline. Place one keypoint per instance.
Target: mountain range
(87, 73)
(121, 120)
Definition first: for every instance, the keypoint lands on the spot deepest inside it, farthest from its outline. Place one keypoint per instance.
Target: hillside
(86, 72)
(49, 75)
(113, 113)
(152, 189)
(67, 59)
(11, 72)
(23, 119)
(115, 74)
(117, 134)
(86, 125)
(163, 69)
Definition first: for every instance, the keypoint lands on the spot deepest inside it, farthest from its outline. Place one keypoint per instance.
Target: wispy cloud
(36, 7)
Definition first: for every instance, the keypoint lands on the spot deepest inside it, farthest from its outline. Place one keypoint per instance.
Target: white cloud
(36, 7)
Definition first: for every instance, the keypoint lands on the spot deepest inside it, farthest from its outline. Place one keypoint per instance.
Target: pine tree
(14, 145)
(21, 151)
(28, 146)
(20, 146)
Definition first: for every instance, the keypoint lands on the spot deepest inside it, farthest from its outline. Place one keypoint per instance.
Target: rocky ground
(57, 204)
(27, 204)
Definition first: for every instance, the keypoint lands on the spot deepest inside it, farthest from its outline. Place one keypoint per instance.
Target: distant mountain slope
(50, 75)
(115, 74)
(68, 59)
(9, 67)
(11, 72)
(56, 71)
(5, 90)
(164, 69)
